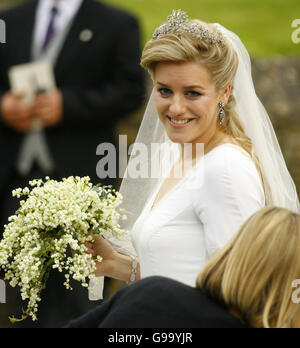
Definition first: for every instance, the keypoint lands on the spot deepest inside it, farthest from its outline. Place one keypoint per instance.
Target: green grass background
(263, 25)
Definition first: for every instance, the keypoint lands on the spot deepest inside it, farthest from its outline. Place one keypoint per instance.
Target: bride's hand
(113, 264)
(100, 247)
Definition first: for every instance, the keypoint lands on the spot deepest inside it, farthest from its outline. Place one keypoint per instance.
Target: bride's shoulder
(229, 168)
(227, 151)
(228, 159)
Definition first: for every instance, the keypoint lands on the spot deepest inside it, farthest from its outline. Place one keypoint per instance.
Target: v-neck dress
(198, 216)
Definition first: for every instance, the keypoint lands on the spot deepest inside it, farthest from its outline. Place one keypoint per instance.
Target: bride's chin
(178, 139)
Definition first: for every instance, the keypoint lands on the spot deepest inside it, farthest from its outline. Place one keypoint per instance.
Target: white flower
(54, 217)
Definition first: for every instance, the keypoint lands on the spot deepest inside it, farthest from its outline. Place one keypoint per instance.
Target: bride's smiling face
(187, 101)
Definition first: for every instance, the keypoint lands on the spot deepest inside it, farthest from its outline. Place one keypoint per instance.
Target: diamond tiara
(178, 23)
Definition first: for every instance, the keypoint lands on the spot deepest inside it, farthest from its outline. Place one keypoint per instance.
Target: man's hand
(15, 113)
(48, 108)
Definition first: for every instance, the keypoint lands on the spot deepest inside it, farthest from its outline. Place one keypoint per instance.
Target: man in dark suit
(98, 78)
(95, 52)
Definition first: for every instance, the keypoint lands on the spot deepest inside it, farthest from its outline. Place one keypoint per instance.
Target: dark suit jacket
(101, 81)
(158, 302)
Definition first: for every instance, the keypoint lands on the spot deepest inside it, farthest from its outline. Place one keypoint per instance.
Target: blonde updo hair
(221, 61)
(254, 273)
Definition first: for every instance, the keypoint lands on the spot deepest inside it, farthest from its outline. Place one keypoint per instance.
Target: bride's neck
(215, 140)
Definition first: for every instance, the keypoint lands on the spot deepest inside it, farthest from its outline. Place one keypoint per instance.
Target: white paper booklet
(32, 78)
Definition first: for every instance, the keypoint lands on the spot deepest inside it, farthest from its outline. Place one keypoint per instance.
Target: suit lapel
(72, 42)
(27, 25)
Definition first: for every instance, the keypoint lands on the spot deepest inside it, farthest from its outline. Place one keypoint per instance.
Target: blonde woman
(249, 283)
(254, 274)
(203, 94)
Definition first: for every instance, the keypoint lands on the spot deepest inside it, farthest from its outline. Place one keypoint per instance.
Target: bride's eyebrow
(162, 84)
(186, 87)
(194, 86)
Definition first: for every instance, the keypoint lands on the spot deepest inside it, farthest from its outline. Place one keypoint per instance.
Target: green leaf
(14, 320)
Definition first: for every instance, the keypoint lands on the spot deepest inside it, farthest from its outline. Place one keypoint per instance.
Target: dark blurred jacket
(101, 82)
(158, 302)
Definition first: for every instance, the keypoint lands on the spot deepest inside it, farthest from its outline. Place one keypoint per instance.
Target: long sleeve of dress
(231, 193)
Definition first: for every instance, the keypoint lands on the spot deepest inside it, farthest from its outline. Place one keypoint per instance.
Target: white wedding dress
(188, 225)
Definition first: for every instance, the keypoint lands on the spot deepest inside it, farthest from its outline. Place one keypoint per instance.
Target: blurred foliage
(263, 25)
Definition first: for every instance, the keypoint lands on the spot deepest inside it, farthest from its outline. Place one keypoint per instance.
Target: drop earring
(221, 116)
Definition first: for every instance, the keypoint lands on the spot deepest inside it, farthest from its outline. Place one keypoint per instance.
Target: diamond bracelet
(133, 270)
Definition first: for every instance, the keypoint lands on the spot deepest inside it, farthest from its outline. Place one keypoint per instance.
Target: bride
(203, 94)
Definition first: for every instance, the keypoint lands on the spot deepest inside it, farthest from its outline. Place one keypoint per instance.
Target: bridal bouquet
(54, 216)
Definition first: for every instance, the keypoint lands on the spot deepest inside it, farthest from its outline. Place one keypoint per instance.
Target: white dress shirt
(67, 9)
(34, 147)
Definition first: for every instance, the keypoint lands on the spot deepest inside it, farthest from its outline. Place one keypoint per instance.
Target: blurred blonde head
(254, 273)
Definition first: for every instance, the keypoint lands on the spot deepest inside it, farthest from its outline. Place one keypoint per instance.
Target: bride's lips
(178, 126)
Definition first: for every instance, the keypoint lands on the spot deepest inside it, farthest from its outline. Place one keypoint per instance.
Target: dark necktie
(51, 29)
